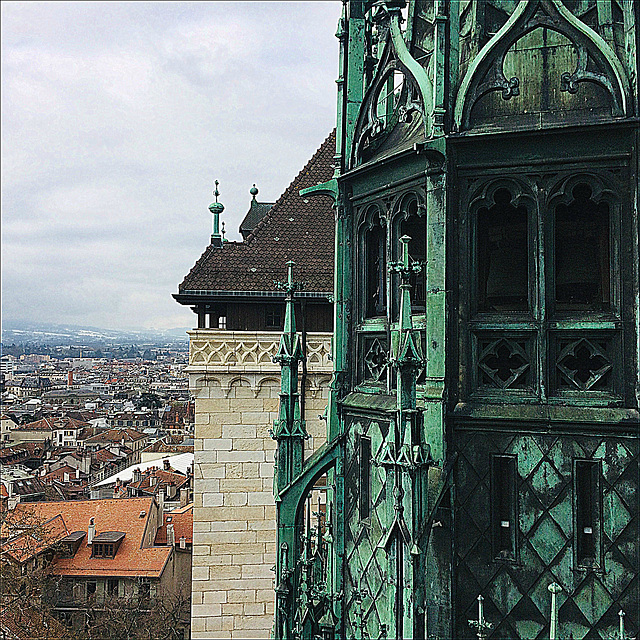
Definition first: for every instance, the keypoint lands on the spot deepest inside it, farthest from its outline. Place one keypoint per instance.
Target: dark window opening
(414, 227)
(503, 499)
(273, 318)
(582, 262)
(144, 590)
(364, 454)
(376, 271)
(91, 588)
(101, 550)
(503, 256)
(112, 587)
(587, 495)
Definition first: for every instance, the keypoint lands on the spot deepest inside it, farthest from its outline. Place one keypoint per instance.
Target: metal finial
(216, 193)
(481, 626)
(254, 191)
(223, 232)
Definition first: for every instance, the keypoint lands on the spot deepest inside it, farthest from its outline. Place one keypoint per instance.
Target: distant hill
(63, 334)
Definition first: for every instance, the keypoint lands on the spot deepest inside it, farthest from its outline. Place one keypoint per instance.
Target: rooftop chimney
(70, 379)
(77, 474)
(183, 542)
(66, 477)
(184, 497)
(165, 464)
(91, 533)
(171, 536)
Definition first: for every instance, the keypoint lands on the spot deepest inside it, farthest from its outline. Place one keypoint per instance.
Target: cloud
(116, 120)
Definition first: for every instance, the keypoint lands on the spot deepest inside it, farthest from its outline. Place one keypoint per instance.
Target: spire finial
(254, 191)
(223, 232)
(216, 209)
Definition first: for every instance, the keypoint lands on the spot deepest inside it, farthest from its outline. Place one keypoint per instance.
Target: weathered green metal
(531, 98)
(216, 209)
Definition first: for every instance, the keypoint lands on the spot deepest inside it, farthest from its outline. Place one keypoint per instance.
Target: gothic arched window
(502, 255)
(582, 255)
(375, 266)
(410, 221)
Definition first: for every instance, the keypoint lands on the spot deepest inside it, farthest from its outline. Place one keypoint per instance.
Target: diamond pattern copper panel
(517, 600)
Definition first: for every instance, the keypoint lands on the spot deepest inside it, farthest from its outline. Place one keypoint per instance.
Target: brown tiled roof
(116, 435)
(182, 521)
(51, 424)
(163, 478)
(296, 228)
(110, 515)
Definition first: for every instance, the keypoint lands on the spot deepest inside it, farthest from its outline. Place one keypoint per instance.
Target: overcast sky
(116, 120)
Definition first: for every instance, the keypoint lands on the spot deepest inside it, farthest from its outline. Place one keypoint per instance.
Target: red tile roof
(132, 558)
(116, 435)
(182, 521)
(296, 228)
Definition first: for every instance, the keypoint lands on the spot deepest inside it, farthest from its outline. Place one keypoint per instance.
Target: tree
(27, 550)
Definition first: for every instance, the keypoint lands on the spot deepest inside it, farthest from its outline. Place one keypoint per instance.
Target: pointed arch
(415, 96)
(486, 74)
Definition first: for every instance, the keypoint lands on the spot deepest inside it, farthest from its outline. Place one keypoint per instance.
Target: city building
(102, 550)
(240, 314)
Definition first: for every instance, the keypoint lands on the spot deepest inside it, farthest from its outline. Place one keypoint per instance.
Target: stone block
(239, 484)
(210, 431)
(212, 470)
(233, 608)
(201, 550)
(261, 498)
(266, 470)
(248, 444)
(239, 456)
(206, 610)
(235, 499)
(221, 514)
(241, 595)
(251, 469)
(233, 470)
(257, 571)
(239, 431)
(212, 499)
(215, 596)
(218, 444)
(206, 457)
(254, 609)
(265, 536)
(247, 558)
(255, 622)
(208, 485)
(226, 549)
(229, 525)
(254, 417)
(218, 538)
(199, 573)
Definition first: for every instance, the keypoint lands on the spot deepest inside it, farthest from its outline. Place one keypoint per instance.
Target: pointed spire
(289, 429)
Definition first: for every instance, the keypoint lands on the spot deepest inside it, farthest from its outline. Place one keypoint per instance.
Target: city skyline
(117, 119)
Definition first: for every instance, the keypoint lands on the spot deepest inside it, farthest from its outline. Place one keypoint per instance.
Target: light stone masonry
(236, 387)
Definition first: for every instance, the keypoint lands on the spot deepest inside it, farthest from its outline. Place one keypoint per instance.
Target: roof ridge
(251, 237)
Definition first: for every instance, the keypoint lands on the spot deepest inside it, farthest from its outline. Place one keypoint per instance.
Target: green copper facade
(483, 423)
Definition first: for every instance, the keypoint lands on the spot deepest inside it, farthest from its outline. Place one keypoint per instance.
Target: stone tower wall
(237, 386)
